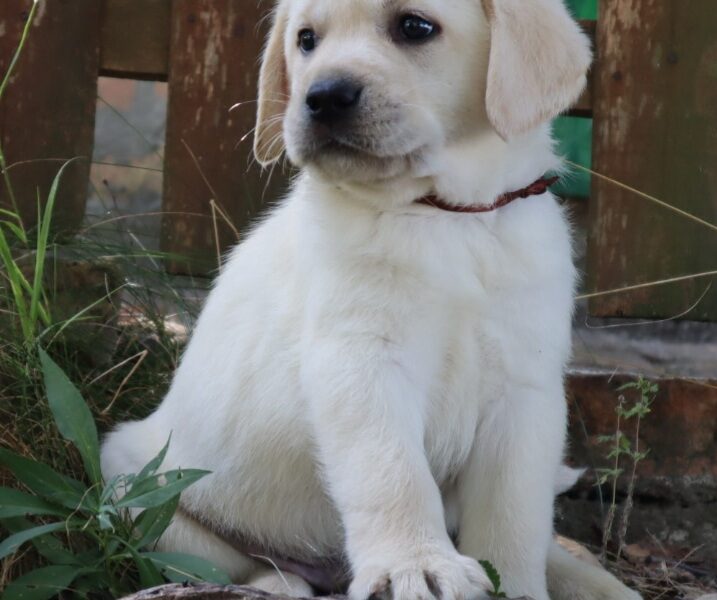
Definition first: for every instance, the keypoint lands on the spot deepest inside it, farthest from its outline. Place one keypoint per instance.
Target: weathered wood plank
(135, 39)
(655, 130)
(214, 592)
(49, 108)
(210, 592)
(145, 53)
(214, 64)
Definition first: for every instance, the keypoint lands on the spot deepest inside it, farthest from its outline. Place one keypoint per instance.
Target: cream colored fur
(538, 62)
(370, 374)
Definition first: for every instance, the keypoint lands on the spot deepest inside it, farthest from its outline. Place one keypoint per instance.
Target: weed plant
(62, 526)
(106, 527)
(625, 448)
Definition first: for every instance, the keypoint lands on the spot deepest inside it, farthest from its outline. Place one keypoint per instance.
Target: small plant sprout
(494, 578)
(625, 448)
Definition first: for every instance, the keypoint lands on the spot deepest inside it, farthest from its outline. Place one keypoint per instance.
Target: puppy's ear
(539, 59)
(273, 93)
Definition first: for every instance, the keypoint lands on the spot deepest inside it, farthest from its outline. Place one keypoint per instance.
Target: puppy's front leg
(366, 407)
(506, 492)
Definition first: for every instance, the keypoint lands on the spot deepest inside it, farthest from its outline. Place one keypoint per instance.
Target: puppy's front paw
(425, 575)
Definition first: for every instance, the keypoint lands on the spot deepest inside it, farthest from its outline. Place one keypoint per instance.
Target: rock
(637, 554)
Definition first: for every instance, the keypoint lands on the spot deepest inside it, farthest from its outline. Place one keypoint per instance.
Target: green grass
(66, 298)
(73, 299)
(574, 134)
(89, 540)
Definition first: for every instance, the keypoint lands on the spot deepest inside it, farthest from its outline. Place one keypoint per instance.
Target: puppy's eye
(307, 40)
(414, 28)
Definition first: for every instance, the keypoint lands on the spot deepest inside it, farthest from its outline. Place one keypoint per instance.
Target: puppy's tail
(571, 578)
(566, 478)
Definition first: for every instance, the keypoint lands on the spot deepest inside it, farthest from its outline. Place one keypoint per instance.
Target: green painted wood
(655, 130)
(48, 112)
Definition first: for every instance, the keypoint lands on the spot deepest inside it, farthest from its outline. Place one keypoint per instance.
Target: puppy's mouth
(347, 145)
(369, 149)
(336, 145)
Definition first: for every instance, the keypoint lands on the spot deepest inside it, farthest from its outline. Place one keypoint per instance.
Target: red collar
(538, 188)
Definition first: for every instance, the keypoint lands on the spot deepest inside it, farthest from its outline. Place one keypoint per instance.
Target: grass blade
(42, 242)
(17, 231)
(17, 284)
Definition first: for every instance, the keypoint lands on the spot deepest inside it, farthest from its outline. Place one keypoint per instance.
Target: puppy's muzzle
(333, 101)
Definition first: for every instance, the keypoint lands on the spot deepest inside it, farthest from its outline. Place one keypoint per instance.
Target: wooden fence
(653, 98)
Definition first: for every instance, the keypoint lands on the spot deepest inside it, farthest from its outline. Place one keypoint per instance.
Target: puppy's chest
(489, 332)
(470, 383)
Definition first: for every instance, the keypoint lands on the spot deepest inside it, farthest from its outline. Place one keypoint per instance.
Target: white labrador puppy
(378, 373)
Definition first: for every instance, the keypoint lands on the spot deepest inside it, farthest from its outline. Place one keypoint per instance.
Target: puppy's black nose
(333, 99)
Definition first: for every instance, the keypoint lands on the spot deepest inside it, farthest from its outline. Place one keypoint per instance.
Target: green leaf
(55, 551)
(154, 464)
(14, 503)
(105, 522)
(640, 456)
(153, 522)
(73, 417)
(42, 584)
(12, 543)
(43, 480)
(95, 585)
(110, 489)
(159, 489)
(149, 574)
(633, 411)
(179, 568)
(494, 578)
(47, 546)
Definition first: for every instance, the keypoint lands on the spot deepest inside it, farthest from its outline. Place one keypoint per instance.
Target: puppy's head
(360, 89)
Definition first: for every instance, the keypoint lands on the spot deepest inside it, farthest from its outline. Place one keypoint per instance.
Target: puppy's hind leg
(570, 578)
(187, 536)
(275, 581)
